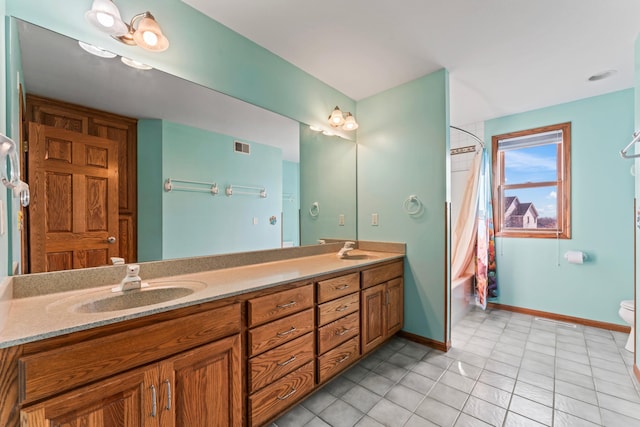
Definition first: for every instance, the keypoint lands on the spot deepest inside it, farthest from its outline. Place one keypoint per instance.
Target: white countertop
(45, 316)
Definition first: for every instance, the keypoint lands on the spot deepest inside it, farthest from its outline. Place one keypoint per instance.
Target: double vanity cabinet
(238, 361)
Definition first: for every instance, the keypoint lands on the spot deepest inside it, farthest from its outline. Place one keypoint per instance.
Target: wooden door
(73, 213)
(203, 387)
(395, 306)
(122, 401)
(373, 317)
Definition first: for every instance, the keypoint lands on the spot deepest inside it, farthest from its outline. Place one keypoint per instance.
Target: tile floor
(504, 369)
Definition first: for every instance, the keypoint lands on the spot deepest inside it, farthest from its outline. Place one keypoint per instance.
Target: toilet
(627, 309)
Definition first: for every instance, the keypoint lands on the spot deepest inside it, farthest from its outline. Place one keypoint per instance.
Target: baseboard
(562, 317)
(438, 345)
(636, 371)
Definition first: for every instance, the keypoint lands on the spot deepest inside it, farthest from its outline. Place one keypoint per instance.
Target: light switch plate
(341, 219)
(374, 219)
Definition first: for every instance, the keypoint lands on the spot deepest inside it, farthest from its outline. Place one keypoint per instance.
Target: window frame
(563, 183)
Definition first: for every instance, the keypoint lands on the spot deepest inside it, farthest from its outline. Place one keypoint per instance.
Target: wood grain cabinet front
(280, 304)
(382, 306)
(200, 386)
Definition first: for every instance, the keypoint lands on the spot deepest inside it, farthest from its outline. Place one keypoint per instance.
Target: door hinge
(25, 146)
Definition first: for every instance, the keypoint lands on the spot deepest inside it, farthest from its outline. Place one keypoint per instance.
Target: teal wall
(532, 273)
(291, 202)
(4, 239)
(404, 150)
(637, 182)
(198, 223)
(201, 50)
(14, 78)
(328, 177)
(150, 180)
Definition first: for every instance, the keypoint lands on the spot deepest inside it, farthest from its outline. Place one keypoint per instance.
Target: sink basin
(133, 299)
(106, 301)
(360, 257)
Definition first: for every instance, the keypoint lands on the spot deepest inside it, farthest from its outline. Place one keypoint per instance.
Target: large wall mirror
(268, 169)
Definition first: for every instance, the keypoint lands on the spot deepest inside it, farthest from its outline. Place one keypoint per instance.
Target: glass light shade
(350, 123)
(149, 36)
(336, 118)
(105, 16)
(135, 64)
(97, 51)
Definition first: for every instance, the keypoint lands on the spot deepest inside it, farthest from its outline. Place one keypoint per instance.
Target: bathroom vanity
(239, 351)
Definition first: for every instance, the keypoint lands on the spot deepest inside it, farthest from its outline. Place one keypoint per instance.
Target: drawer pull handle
(168, 383)
(154, 401)
(343, 331)
(285, 333)
(286, 362)
(340, 288)
(344, 358)
(287, 305)
(288, 395)
(342, 308)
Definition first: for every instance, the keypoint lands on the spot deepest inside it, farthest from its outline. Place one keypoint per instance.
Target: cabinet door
(395, 306)
(126, 400)
(203, 387)
(373, 322)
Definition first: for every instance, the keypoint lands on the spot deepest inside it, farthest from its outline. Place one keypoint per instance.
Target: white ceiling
(504, 56)
(54, 66)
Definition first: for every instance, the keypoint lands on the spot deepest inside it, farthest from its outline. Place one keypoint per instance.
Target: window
(532, 182)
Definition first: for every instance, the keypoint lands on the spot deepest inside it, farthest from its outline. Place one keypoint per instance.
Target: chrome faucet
(131, 281)
(348, 247)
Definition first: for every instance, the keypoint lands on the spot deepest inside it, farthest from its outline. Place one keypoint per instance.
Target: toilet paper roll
(575, 257)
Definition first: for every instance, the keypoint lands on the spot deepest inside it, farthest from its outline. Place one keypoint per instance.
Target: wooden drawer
(334, 361)
(54, 371)
(338, 332)
(337, 287)
(332, 310)
(275, 306)
(278, 332)
(271, 400)
(373, 276)
(276, 363)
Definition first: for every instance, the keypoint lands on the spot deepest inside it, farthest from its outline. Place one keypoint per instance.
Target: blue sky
(533, 164)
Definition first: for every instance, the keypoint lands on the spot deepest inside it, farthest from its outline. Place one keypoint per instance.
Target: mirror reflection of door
(74, 205)
(81, 172)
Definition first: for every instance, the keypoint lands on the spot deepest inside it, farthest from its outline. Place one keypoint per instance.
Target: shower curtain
(486, 283)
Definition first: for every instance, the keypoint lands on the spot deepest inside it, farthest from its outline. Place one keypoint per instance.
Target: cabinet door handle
(342, 308)
(286, 362)
(168, 383)
(287, 305)
(285, 333)
(339, 288)
(344, 358)
(154, 401)
(288, 395)
(343, 331)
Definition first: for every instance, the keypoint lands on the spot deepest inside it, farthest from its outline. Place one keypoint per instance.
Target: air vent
(242, 147)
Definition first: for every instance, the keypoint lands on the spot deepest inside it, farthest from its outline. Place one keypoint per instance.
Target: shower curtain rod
(468, 133)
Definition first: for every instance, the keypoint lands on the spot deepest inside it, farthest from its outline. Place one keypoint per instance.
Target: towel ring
(314, 211)
(412, 205)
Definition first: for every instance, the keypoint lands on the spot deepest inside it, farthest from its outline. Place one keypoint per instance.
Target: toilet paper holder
(575, 257)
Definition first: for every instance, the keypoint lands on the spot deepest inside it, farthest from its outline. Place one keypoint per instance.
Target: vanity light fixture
(97, 51)
(143, 30)
(344, 120)
(135, 64)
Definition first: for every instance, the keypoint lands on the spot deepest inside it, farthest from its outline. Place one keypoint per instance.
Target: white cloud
(527, 162)
(553, 195)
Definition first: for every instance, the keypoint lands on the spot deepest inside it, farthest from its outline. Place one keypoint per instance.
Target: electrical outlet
(374, 219)
(341, 219)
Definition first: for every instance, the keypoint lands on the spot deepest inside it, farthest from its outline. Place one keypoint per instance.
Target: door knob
(111, 239)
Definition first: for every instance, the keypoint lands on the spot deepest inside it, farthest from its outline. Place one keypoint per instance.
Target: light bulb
(150, 38)
(105, 19)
